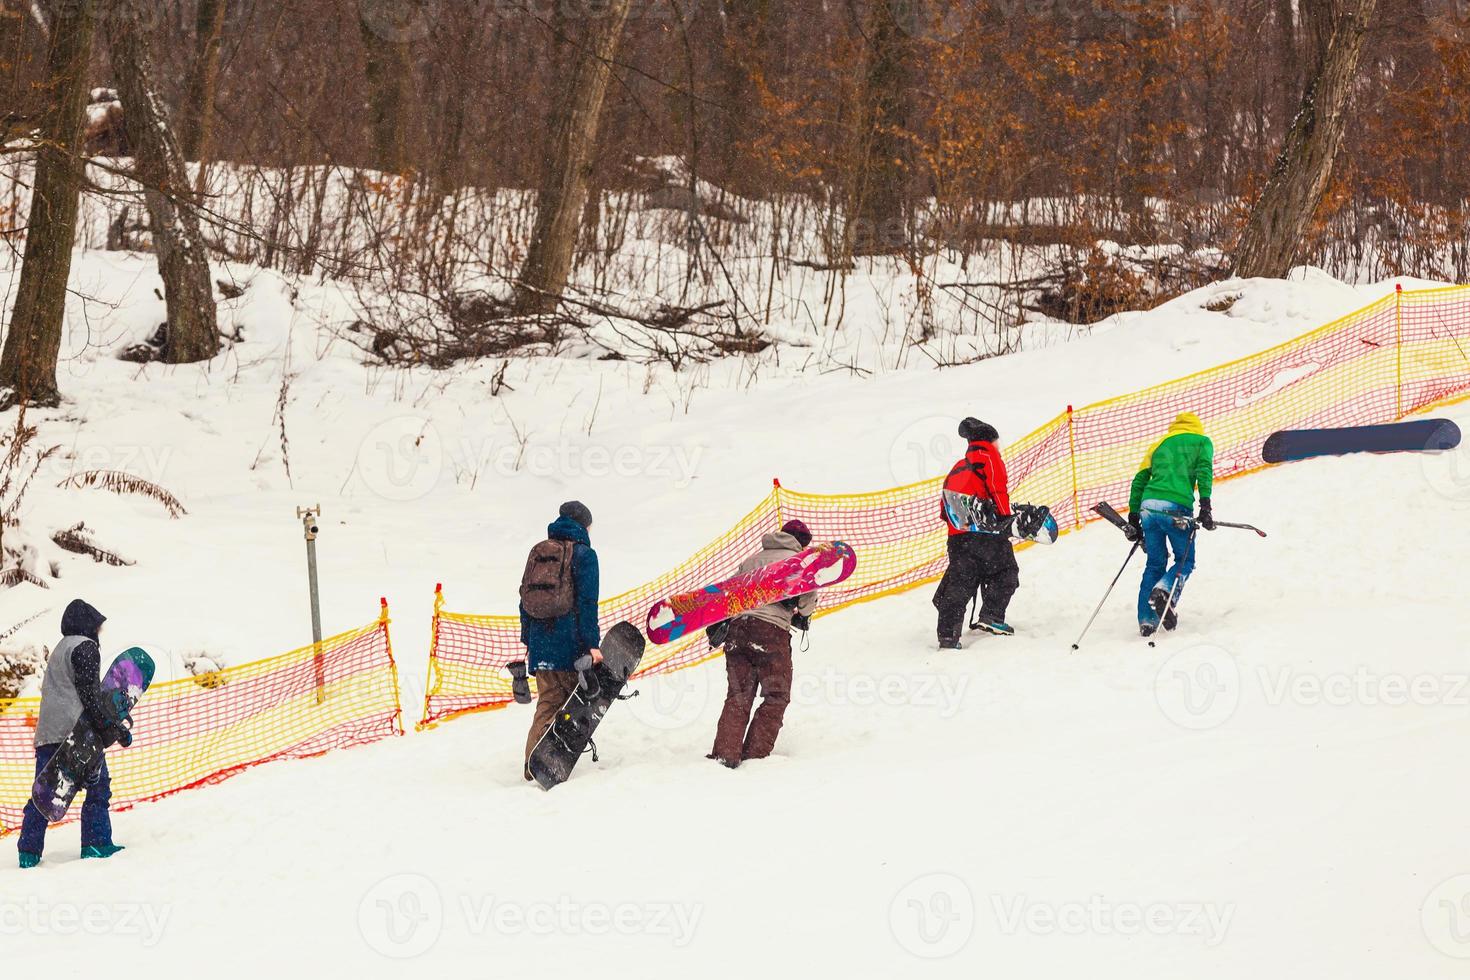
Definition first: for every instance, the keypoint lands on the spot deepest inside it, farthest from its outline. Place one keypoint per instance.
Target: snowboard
(571, 730)
(817, 567)
(967, 513)
(1426, 435)
(79, 759)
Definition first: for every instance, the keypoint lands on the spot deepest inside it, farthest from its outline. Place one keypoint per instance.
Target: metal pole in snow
(309, 524)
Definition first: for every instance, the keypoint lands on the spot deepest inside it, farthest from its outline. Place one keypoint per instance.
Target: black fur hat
(973, 430)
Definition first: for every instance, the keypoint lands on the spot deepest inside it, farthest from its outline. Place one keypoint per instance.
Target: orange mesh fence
(201, 730)
(1404, 353)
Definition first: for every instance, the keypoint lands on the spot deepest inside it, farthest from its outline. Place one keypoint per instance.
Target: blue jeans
(96, 820)
(1160, 536)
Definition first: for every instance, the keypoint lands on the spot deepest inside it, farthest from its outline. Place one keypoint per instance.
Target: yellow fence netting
(1401, 354)
(201, 730)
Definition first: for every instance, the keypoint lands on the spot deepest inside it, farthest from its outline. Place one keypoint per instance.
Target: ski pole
(1131, 552)
(1184, 523)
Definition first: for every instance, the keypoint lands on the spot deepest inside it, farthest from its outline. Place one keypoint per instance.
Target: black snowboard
(570, 733)
(1426, 435)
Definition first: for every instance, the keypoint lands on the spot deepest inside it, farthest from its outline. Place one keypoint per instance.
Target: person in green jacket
(1163, 490)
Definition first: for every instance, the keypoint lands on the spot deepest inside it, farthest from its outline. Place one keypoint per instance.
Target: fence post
(1072, 450)
(309, 517)
(1398, 316)
(776, 493)
(431, 678)
(392, 663)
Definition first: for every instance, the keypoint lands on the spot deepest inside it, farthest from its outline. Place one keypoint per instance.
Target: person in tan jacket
(758, 657)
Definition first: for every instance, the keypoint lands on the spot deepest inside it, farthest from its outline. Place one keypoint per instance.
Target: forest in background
(420, 145)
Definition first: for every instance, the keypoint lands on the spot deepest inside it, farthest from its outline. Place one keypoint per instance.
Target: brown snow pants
(553, 687)
(757, 656)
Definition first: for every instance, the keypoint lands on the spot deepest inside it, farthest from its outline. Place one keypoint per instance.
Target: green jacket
(1185, 459)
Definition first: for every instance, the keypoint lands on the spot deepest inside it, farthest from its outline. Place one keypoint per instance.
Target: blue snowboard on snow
(1427, 435)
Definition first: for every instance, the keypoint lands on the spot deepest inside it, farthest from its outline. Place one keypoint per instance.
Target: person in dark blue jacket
(553, 646)
(71, 690)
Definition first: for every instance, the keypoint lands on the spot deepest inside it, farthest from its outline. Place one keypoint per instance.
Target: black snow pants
(976, 561)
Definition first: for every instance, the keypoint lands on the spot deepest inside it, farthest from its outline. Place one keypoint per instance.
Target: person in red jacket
(979, 559)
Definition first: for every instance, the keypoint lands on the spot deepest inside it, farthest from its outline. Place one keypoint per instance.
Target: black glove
(1206, 516)
(116, 735)
(1134, 530)
(717, 632)
(801, 622)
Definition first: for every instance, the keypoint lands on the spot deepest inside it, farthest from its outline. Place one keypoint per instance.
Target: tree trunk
(193, 332)
(1272, 239)
(568, 166)
(28, 365)
(390, 87)
(878, 197)
(197, 124)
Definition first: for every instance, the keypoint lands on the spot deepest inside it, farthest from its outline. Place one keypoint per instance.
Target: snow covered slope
(1277, 790)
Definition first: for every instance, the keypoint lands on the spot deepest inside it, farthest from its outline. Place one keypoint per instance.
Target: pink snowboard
(817, 567)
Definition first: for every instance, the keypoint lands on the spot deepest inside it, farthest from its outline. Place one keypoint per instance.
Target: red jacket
(982, 473)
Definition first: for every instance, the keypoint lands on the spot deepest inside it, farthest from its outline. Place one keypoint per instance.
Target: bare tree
(878, 199)
(568, 165)
(388, 30)
(28, 365)
(193, 332)
(197, 116)
(1273, 237)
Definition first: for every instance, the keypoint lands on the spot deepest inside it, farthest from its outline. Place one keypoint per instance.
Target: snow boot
(950, 643)
(727, 763)
(994, 628)
(1159, 600)
(29, 860)
(1147, 629)
(100, 850)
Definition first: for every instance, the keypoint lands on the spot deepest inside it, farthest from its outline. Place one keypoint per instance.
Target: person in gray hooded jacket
(758, 657)
(71, 690)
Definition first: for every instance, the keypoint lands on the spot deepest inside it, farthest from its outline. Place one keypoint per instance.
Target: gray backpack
(547, 589)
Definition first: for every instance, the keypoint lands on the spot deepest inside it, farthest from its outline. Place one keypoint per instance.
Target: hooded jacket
(72, 686)
(777, 546)
(557, 644)
(1183, 460)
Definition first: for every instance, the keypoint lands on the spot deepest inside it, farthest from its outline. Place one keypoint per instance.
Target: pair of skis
(1105, 510)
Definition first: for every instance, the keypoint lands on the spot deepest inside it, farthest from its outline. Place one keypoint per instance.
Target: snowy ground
(1274, 790)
